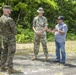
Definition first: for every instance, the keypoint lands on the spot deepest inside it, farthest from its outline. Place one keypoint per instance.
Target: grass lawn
(27, 48)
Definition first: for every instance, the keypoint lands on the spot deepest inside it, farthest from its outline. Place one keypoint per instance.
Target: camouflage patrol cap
(7, 7)
(40, 10)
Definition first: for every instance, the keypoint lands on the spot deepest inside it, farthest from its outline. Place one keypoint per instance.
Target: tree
(25, 10)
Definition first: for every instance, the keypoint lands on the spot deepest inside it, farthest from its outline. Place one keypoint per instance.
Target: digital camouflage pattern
(8, 29)
(39, 23)
(1, 40)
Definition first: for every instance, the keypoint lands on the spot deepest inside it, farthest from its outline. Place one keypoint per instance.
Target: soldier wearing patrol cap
(8, 28)
(40, 26)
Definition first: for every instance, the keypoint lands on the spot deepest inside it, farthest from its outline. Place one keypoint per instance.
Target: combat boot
(46, 58)
(35, 58)
(11, 70)
(2, 68)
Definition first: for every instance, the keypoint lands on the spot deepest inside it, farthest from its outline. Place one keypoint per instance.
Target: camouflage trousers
(37, 40)
(8, 52)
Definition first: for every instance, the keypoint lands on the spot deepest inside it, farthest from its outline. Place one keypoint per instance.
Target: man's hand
(49, 30)
(52, 31)
(60, 31)
(38, 32)
(56, 30)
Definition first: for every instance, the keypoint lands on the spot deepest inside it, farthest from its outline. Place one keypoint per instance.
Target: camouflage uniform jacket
(39, 23)
(7, 26)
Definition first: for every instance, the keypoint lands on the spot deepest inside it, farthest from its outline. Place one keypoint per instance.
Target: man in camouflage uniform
(0, 44)
(8, 29)
(40, 26)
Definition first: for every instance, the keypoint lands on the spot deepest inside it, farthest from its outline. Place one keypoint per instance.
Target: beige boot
(46, 58)
(2, 68)
(35, 58)
(11, 70)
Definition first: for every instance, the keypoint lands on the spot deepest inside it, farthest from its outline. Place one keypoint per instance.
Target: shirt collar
(61, 23)
(5, 15)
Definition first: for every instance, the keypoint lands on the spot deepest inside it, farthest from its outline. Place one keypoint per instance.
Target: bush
(71, 36)
(27, 35)
(23, 38)
(50, 37)
(24, 35)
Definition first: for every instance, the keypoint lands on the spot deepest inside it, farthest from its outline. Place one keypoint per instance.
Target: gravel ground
(41, 67)
(23, 62)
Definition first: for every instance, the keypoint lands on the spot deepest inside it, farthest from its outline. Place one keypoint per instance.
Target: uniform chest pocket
(41, 23)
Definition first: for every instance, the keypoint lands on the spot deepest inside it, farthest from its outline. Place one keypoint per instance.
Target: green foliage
(71, 36)
(25, 10)
(24, 35)
(50, 37)
(19, 6)
(28, 36)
